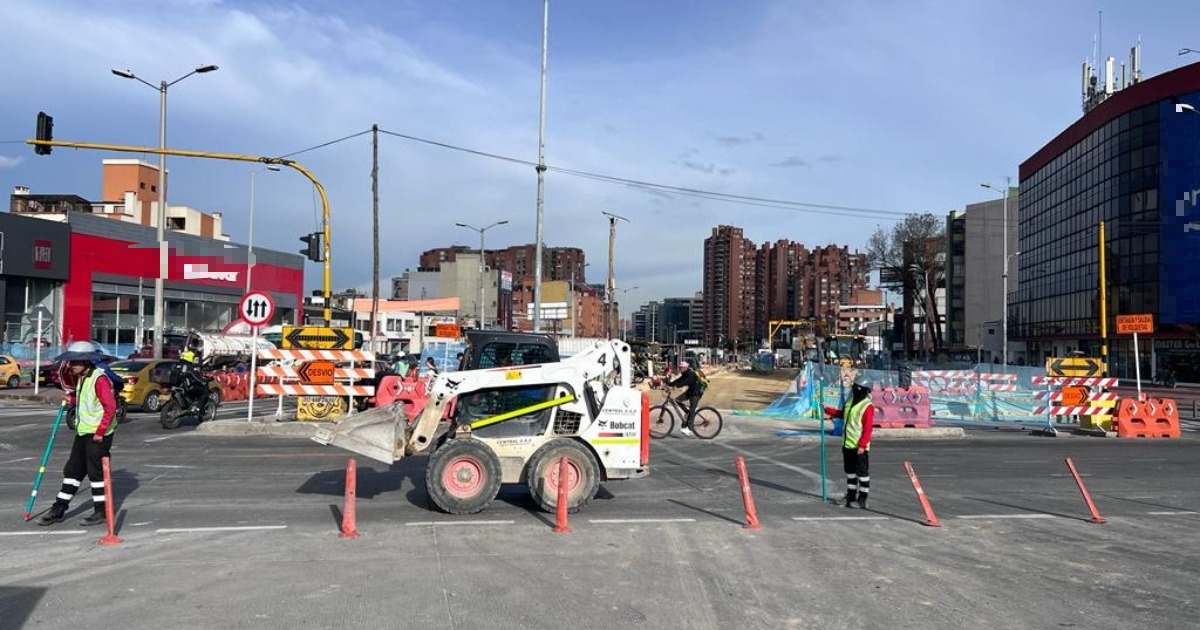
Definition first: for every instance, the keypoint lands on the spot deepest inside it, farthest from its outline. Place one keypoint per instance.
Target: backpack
(118, 383)
(703, 380)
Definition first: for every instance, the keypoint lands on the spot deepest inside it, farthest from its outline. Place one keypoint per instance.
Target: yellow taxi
(144, 380)
(10, 372)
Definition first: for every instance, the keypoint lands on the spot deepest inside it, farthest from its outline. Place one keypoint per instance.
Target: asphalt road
(222, 532)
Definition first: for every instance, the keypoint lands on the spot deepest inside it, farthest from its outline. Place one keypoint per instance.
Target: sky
(875, 108)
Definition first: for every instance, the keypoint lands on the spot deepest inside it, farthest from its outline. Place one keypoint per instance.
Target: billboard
(1179, 208)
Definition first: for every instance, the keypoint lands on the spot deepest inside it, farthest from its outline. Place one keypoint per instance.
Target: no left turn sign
(256, 308)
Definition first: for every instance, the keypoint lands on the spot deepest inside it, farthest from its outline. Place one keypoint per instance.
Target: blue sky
(877, 104)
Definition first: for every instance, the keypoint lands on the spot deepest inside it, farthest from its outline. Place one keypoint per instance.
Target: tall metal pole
(541, 176)
(1103, 305)
(374, 233)
(612, 281)
(250, 235)
(480, 322)
(1004, 324)
(159, 306)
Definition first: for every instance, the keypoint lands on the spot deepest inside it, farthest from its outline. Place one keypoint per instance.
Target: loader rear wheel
(463, 476)
(583, 474)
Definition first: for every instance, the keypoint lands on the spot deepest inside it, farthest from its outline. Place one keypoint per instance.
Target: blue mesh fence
(980, 395)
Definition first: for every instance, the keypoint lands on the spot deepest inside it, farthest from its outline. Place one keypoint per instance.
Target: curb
(42, 398)
(260, 426)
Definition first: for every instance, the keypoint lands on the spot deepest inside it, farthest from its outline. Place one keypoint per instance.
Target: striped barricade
(325, 401)
(1094, 413)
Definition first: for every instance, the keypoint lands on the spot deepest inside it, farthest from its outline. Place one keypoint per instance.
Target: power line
(680, 190)
(326, 144)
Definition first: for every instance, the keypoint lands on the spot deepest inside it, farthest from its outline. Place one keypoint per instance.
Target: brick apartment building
(746, 286)
(558, 263)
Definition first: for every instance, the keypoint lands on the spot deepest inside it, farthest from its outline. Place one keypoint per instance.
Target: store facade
(34, 263)
(109, 295)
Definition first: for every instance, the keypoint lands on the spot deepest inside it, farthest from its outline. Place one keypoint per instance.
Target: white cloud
(10, 162)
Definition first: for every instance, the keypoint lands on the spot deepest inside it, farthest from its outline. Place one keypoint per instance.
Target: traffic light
(313, 251)
(45, 132)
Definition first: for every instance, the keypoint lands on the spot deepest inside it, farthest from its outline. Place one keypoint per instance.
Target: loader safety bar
(516, 413)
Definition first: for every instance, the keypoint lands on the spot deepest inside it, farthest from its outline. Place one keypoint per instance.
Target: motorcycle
(184, 400)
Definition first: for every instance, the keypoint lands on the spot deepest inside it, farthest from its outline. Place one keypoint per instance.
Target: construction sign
(1074, 395)
(317, 338)
(1135, 324)
(316, 373)
(452, 331)
(1075, 366)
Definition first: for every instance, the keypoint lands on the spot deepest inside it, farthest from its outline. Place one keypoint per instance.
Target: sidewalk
(24, 393)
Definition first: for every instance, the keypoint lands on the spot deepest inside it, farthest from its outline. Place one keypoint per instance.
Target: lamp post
(1004, 321)
(624, 325)
(250, 228)
(161, 88)
(481, 231)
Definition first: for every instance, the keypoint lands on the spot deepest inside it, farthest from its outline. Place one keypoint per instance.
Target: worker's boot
(54, 515)
(850, 497)
(862, 502)
(95, 518)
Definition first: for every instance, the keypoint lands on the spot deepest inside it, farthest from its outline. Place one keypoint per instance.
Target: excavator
(514, 424)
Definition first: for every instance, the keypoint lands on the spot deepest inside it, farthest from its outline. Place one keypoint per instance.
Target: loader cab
(495, 349)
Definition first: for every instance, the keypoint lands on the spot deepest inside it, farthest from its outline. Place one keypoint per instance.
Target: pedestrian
(859, 418)
(431, 367)
(95, 412)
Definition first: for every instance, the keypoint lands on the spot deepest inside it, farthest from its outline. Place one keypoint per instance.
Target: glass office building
(1133, 162)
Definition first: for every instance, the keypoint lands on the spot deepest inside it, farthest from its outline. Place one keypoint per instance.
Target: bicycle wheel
(707, 423)
(662, 420)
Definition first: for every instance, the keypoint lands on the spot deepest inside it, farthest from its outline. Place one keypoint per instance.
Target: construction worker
(859, 417)
(96, 410)
(188, 354)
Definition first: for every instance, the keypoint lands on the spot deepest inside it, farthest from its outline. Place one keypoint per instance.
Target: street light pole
(1004, 321)
(479, 322)
(250, 227)
(624, 325)
(161, 215)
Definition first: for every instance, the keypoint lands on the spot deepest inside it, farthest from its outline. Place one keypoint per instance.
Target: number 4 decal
(602, 360)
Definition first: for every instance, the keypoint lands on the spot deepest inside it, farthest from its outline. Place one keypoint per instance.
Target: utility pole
(609, 303)
(374, 234)
(541, 177)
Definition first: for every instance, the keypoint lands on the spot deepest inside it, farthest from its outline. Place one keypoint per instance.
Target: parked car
(10, 372)
(145, 381)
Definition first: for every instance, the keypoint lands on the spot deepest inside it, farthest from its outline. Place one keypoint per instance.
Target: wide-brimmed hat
(81, 351)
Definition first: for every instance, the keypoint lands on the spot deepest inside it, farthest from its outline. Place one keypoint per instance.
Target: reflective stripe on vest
(89, 412)
(853, 428)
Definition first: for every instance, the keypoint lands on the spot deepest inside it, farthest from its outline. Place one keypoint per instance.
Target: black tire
(122, 409)
(210, 412)
(152, 403)
(216, 395)
(662, 421)
(70, 418)
(583, 474)
(14, 381)
(172, 414)
(463, 476)
(707, 423)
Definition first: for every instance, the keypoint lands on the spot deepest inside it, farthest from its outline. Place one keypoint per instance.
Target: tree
(913, 253)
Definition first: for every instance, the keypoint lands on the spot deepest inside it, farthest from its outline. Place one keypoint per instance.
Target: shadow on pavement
(1150, 503)
(371, 482)
(18, 603)
(1023, 508)
(705, 512)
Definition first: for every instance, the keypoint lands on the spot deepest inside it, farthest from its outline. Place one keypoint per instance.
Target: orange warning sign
(1130, 324)
(1074, 396)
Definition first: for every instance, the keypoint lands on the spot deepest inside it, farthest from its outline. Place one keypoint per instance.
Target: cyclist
(687, 378)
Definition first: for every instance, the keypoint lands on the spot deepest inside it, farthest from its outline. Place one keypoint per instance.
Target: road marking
(13, 461)
(641, 520)
(53, 533)
(1184, 513)
(245, 528)
(166, 466)
(435, 523)
(159, 439)
(839, 518)
(989, 516)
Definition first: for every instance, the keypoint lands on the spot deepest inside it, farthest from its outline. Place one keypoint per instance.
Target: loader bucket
(379, 433)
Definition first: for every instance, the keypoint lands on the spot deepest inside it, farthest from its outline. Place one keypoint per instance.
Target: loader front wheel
(463, 476)
(542, 475)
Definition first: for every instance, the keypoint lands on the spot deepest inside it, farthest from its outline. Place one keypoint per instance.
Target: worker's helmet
(860, 390)
(683, 365)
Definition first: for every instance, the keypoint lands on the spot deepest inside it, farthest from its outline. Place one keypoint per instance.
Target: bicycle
(706, 424)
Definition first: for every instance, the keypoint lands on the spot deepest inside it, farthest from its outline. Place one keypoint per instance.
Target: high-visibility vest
(88, 410)
(852, 430)
(188, 355)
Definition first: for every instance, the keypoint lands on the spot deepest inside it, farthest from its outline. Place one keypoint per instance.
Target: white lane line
(165, 437)
(839, 518)
(13, 461)
(245, 528)
(52, 533)
(436, 523)
(167, 466)
(991, 516)
(641, 520)
(1183, 513)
